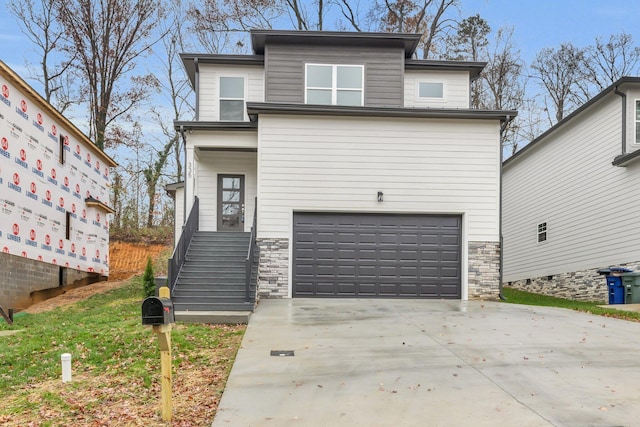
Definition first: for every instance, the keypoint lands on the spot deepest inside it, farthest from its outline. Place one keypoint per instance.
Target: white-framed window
(232, 97)
(542, 232)
(430, 90)
(327, 84)
(637, 121)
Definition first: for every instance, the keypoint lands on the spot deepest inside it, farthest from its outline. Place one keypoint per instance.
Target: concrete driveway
(432, 363)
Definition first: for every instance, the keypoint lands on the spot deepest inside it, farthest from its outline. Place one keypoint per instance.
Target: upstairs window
(334, 84)
(542, 232)
(430, 90)
(637, 122)
(231, 98)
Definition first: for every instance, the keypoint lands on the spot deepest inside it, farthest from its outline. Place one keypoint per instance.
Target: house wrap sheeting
(54, 183)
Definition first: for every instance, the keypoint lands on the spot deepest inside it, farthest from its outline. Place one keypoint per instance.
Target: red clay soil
(126, 260)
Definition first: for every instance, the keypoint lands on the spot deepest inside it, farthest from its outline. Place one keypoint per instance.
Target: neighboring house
(373, 176)
(53, 224)
(570, 199)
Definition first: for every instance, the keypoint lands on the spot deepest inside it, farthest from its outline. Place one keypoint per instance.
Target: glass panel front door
(230, 203)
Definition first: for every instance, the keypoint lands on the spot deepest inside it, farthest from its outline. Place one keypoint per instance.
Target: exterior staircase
(211, 285)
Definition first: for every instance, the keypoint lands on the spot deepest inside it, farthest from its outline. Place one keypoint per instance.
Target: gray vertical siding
(384, 71)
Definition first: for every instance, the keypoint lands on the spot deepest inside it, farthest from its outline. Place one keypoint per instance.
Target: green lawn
(108, 344)
(515, 296)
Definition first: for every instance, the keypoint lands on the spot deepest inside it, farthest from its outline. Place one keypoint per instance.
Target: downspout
(197, 89)
(500, 264)
(624, 119)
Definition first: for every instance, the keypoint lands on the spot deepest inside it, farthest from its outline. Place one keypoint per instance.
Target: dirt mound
(127, 259)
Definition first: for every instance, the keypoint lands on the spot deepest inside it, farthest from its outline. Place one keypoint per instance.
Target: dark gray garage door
(376, 255)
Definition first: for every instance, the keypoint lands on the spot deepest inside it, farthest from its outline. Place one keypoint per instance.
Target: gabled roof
(408, 41)
(540, 139)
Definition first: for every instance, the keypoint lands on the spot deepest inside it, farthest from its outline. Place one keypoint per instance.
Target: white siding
(178, 215)
(456, 89)
(590, 206)
(340, 164)
(223, 139)
(208, 101)
(212, 163)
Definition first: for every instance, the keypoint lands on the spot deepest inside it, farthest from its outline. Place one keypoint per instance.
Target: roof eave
(474, 68)
(260, 37)
(16, 80)
(92, 202)
(211, 125)
(583, 107)
(256, 108)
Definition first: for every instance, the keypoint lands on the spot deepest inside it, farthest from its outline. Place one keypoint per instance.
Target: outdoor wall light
(380, 196)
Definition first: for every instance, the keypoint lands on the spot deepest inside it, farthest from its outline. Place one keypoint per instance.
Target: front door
(230, 202)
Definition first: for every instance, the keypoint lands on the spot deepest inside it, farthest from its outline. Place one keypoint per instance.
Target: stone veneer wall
(484, 270)
(273, 268)
(583, 285)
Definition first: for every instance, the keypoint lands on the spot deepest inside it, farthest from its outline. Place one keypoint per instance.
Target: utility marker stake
(66, 367)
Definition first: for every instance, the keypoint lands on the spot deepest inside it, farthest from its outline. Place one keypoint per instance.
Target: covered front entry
(376, 255)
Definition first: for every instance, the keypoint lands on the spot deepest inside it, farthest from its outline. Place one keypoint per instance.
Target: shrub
(148, 283)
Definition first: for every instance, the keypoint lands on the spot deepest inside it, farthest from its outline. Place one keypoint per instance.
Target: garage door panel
(376, 255)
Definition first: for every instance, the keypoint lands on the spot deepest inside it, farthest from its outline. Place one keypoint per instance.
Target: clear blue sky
(548, 23)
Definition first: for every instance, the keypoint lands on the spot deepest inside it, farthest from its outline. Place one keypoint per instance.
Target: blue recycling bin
(615, 285)
(615, 289)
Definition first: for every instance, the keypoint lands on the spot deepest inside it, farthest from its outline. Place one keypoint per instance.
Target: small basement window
(432, 90)
(542, 232)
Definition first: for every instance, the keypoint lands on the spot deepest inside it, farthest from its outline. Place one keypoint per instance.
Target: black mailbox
(157, 311)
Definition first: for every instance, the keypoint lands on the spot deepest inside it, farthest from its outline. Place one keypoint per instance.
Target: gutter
(624, 118)
(508, 118)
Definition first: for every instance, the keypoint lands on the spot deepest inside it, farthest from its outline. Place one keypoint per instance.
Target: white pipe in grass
(66, 367)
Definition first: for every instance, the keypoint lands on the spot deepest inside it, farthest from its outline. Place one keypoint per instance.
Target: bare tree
(37, 19)
(504, 82)
(469, 43)
(107, 38)
(417, 16)
(559, 72)
(174, 84)
(152, 174)
(608, 61)
(222, 26)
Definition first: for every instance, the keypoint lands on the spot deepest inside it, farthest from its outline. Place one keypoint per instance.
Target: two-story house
(54, 228)
(366, 171)
(570, 199)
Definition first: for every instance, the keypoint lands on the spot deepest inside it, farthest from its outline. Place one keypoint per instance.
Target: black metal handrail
(251, 253)
(179, 253)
